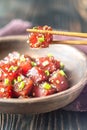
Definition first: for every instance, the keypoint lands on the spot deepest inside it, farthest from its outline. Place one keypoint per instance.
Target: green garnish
(62, 73)
(61, 65)
(49, 55)
(14, 81)
(22, 85)
(33, 63)
(47, 72)
(19, 78)
(41, 39)
(46, 86)
(13, 68)
(6, 81)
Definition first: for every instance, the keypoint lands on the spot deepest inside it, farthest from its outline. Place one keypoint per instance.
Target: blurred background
(60, 14)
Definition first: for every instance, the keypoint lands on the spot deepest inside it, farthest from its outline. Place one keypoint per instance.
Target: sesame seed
(33, 94)
(45, 63)
(62, 82)
(57, 81)
(2, 90)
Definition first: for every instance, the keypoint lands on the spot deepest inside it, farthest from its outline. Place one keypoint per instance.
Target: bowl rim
(81, 83)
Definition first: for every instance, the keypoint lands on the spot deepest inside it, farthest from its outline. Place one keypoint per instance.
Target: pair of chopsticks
(63, 33)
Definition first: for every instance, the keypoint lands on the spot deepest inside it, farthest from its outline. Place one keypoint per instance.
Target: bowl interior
(74, 60)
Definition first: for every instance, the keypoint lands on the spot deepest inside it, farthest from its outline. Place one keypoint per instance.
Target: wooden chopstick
(24, 38)
(63, 33)
(70, 42)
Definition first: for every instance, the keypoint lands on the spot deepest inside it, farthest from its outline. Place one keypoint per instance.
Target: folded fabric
(18, 27)
(15, 27)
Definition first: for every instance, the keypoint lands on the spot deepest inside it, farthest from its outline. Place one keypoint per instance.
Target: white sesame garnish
(45, 63)
(2, 90)
(52, 81)
(62, 82)
(27, 41)
(57, 81)
(0, 73)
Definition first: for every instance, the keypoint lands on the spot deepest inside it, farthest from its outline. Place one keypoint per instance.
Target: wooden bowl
(75, 65)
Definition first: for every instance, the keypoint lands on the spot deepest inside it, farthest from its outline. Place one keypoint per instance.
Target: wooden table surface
(56, 120)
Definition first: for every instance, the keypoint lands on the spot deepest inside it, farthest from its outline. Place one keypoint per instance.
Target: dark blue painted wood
(56, 120)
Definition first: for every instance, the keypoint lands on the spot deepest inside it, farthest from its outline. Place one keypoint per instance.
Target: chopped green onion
(46, 86)
(62, 73)
(33, 63)
(6, 81)
(41, 39)
(61, 65)
(19, 78)
(14, 81)
(47, 72)
(49, 55)
(13, 68)
(22, 85)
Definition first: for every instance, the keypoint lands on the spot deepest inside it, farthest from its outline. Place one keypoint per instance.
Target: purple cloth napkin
(15, 27)
(18, 27)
